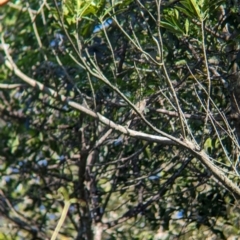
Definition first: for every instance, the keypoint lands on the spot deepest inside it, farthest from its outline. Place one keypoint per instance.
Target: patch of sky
(105, 24)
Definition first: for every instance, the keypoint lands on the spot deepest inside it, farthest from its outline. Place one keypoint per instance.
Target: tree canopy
(119, 119)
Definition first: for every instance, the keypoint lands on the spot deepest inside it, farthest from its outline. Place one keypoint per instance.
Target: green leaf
(64, 192)
(15, 144)
(187, 26)
(181, 62)
(172, 28)
(208, 145)
(196, 8)
(185, 11)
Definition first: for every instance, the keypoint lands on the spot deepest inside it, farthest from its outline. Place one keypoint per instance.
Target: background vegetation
(119, 119)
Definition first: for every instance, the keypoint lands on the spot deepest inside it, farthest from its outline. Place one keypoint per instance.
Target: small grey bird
(141, 106)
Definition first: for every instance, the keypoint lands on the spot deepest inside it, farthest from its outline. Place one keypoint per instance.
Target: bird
(131, 116)
(141, 106)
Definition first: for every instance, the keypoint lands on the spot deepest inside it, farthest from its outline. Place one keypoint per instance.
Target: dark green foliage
(120, 187)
